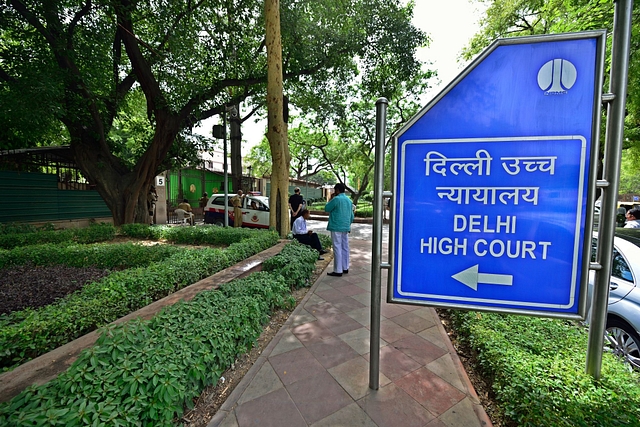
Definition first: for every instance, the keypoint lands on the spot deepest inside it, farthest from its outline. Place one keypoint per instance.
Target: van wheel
(219, 223)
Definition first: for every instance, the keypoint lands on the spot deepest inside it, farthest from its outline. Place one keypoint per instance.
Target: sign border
(600, 36)
(578, 216)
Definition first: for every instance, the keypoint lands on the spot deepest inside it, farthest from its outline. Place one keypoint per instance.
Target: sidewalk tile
(361, 315)
(275, 409)
(412, 322)
(360, 340)
(364, 299)
(230, 421)
(332, 295)
(434, 336)
(349, 416)
(350, 290)
(391, 332)
(263, 383)
(348, 304)
(390, 406)
(394, 363)
(353, 376)
(295, 365)
(391, 310)
(312, 332)
(302, 317)
(318, 397)
(419, 349)
(287, 342)
(332, 352)
(446, 369)
(431, 391)
(461, 414)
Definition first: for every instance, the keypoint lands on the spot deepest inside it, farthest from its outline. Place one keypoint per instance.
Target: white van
(255, 211)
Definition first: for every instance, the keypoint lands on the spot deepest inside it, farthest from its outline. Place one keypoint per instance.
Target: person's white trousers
(340, 251)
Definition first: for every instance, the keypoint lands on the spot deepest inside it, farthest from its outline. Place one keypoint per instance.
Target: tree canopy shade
(69, 70)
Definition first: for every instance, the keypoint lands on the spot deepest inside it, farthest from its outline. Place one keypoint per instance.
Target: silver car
(623, 315)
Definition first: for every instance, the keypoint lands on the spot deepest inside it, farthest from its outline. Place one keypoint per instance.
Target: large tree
(73, 64)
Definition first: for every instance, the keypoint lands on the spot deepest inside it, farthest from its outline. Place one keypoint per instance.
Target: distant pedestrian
(202, 202)
(236, 202)
(341, 216)
(295, 204)
(152, 198)
(188, 211)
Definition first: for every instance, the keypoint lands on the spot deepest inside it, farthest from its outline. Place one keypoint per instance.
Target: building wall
(36, 197)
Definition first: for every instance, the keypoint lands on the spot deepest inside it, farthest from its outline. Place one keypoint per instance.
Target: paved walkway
(315, 372)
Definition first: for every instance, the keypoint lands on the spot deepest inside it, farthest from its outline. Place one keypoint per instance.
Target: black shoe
(334, 274)
(322, 252)
(345, 271)
(320, 259)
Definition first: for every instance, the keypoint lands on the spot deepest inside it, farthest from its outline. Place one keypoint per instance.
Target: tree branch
(72, 26)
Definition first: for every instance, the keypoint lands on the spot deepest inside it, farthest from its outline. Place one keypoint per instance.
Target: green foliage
(148, 372)
(537, 369)
(29, 333)
(207, 234)
(101, 255)
(93, 233)
(325, 240)
(364, 211)
(296, 263)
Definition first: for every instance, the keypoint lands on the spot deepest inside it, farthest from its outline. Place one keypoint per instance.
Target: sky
(450, 25)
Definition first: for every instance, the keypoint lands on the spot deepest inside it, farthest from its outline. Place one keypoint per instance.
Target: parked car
(255, 211)
(623, 312)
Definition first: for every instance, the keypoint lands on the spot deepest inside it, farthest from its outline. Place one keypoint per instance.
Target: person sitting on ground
(633, 218)
(186, 207)
(304, 236)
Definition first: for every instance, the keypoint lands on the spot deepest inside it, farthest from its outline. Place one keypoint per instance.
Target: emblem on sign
(557, 76)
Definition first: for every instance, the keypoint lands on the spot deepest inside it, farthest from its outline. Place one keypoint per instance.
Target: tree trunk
(236, 150)
(277, 129)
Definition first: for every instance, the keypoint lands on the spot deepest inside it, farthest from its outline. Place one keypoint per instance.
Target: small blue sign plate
(491, 183)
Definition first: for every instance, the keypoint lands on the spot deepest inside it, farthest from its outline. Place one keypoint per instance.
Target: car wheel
(219, 223)
(623, 341)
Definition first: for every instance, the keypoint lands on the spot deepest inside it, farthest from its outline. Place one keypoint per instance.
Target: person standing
(152, 198)
(202, 202)
(340, 211)
(236, 202)
(295, 205)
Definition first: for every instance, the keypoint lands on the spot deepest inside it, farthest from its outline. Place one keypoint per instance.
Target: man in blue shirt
(340, 211)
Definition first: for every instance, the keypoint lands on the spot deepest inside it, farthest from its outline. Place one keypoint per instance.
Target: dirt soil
(29, 286)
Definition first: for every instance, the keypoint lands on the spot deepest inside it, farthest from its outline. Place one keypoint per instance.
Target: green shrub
(537, 369)
(325, 240)
(147, 372)
(364, 211)
(93, 233)
(296, 263)
(101, 255)
(29, 333)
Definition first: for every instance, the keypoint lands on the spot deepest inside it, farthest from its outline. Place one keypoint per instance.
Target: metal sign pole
(611, 175)
(224, 167)
(376, 250)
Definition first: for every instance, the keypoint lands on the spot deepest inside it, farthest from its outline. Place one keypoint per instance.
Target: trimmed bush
(123, 255)
(29, 333)
(537, 370)
(92, 234)
(296, 263)
(147, 372)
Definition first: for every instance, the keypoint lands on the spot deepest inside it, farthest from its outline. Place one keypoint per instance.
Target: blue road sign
(493, 182)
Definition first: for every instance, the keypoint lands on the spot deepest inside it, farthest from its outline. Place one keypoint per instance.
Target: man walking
(340, 211)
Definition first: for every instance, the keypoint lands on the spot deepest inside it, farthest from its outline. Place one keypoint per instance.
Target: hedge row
(537, 369)
(208, 234)
(29, 333)
(144, 373)
(92, 234)
(101, 255)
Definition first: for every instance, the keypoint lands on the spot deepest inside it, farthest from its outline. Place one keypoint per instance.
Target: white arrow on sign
(470, 277)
